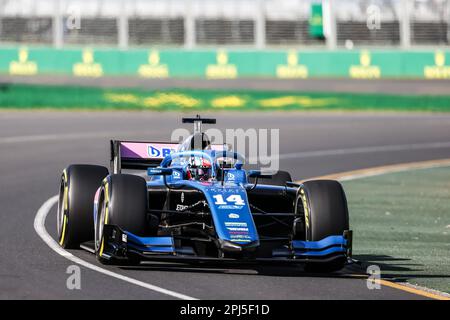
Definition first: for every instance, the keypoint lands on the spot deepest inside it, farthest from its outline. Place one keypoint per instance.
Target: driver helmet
(199, 168)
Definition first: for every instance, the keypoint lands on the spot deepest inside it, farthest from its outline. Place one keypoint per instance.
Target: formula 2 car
(199, 204)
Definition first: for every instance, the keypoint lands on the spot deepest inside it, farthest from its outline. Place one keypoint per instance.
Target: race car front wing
(120, 244)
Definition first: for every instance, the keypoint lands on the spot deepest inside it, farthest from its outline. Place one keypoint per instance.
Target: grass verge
(402, 224)
(16, 96)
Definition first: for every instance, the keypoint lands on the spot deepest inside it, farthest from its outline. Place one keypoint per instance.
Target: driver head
(199, 169)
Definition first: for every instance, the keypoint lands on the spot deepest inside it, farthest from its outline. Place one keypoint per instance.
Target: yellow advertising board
(365, 70)
(292, 69)
(221, 70)
(439, 70)
(153, 69)
(23, 67)
(87, 68)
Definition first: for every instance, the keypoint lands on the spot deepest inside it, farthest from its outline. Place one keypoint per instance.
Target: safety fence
(220, 64)
(254, 24)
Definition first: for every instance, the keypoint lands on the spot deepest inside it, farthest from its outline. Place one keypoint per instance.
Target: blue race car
(198, 204)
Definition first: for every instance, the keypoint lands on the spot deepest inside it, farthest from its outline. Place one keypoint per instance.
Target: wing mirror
(260, 174)
(164, 172)
(159, 171)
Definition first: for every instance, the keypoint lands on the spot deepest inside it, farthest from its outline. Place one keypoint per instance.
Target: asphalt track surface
(36, 146)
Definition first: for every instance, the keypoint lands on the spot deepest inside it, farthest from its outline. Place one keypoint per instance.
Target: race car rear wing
(141, 155)
(138, 155)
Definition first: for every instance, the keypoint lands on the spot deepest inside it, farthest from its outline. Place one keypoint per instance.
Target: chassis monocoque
(237, 215)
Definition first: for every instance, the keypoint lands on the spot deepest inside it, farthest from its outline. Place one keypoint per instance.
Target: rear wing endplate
(138, 155)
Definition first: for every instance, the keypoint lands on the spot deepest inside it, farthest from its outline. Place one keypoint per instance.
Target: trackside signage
(226, 64)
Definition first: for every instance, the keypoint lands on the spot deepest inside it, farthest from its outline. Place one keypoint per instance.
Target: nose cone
(234, 247)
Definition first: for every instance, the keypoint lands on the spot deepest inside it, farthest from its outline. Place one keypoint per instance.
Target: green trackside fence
(222, 64)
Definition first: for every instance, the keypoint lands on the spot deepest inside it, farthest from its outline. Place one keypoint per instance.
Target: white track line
(39, 226)
(70, 136)
(376, 172)
(294, 155)
(54, 137)
(357, 150)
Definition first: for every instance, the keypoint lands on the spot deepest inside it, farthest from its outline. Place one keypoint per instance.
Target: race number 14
(235, 199)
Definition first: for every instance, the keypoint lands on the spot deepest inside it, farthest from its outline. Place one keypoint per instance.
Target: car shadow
(396, 269)
(248, 270)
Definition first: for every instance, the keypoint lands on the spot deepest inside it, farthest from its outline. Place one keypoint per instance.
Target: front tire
(326, 214)
(123, 203)
(76, 204)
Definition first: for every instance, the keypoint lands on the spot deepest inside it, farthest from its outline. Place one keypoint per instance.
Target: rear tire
(75, 220)
(122, 202)
(326, 214)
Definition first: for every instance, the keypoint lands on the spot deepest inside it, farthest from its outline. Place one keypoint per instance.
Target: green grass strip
(401, 222)
(65, 97)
